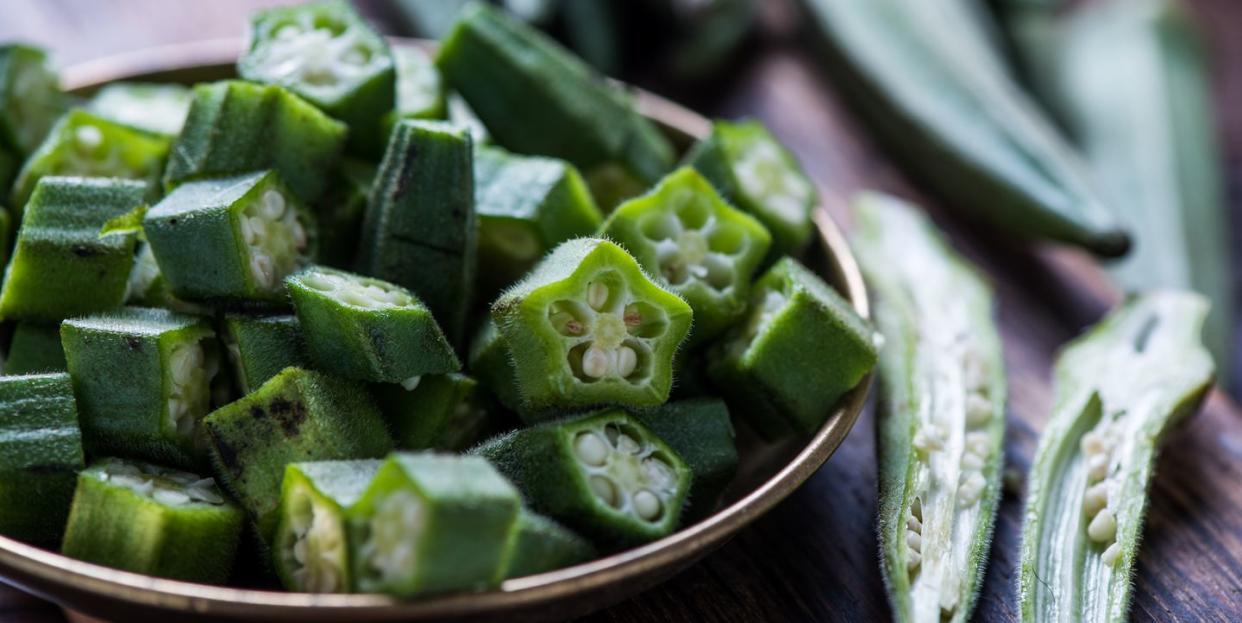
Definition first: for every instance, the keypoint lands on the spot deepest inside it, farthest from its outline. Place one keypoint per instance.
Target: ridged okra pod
(340, 211)
(30, 98)
(35, 348)
(259, 347)
(150, 106)
(448, 412)
(1119, 389)
(490, 363)
(941, 412)
(541, 544)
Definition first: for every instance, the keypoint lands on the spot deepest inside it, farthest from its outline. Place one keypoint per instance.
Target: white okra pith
(166, 486)
(318, 552)
(275, 237)
(625, 471)
(608, 332)
(192, 365)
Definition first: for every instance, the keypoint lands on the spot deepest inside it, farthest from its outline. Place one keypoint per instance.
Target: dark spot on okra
(257, 413)
(133, 343)
(227, 454)
(289, 415)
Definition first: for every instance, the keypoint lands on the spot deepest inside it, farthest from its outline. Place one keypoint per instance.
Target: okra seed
(626, 444)
(170, 497)
(647, 505)
(258, 227)
(596, 362)
(605, 490)
(1111, 554)
(978, 442)
(248, 233)
(356, 298)
(590, 449)
(1103, 527)
(658, 472)
(1095, 499)
(88, 137)
(411, 383)
(914, 541)
(273, 205)
(627, 360)
(978, 410)
(261, 268)
(288, 31)
(319, 281)
(971, 488)
(1097, 467)
(597, 295)
(1092, 444)
(972, 461)
(913, 559)
(913, 523)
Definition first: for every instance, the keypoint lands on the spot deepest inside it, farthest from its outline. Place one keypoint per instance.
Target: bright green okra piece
(701, 432)
(432, 523)
(587, 326)
(30, 98)
(311, 549)
(754, 172)
(153, 107)
(800, 348)
(490, 363)
(230, 239)
(35, 348)
(420, 91)
(367, 329)
(40, 456)
(941, 411)
(143, 382)
(1119, 389)
(259, 347)
(340, 212)
(706, 251)
(152, 520)
(298, 415)
(328, 54)
(235, 127)
(61, 267)
(448, 412)
(604, 474)
(542, 544)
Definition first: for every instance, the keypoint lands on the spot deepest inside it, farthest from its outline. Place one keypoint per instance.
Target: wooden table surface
(814, 558)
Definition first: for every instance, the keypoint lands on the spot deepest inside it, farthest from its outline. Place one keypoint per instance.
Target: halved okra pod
(420, 229)
(326, 53)
(367, 329)
(61, 266)
(799, 349)
(604, 474)
(757, 174)
(340, 211)
(259, 347)
(1119, 388)
(40, 456)
(706, 251)
(298, 415)
(701, 432)
(431, 523)
(152, 520)
(447, 412)
(588, 326)
(542, 544)
(143, 381)
(155, 107)
(35, 348)
(941, 412)
(230, 239)
(311, 548)
(30, 98)
(420, 91)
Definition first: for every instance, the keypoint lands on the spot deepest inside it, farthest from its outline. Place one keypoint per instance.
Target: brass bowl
(766, 476)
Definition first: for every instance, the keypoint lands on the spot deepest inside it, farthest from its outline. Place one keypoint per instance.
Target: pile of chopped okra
(368, 321)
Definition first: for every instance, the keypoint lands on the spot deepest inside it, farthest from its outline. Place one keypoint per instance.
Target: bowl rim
(47, 573)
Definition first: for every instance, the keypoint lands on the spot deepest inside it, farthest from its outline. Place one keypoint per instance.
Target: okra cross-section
(367, 329)
(604, 475)
(40, 456)
(1119, 388)
(143, 381)
(420, 91)
(447, 412)
(432, 523)
(154, 107)
(153, 520)
(230, 239)
(259, 347)
(587, 326)
(941, 411)
(798, 350)
(61, 267)
(701, 431)
(705, 250)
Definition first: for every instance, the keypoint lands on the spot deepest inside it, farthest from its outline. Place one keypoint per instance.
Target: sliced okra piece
(432, 523)
(83, 144)
(152, 520)
(799, 349)
(604, 474)
(230, 239)
(259, 347)
(40, 456)
(462, 115)
(340, 211)
(154, 107)
(367, 329)
(587, 326)
(297, 415)
(329, 55)
(236, 127)
(420, 91)
(759, 175)
(706, 251)
(311, 548)
(30, 98)
(701, 432)
(1119, 388)
(61, 266)
(35, 348)
(941, 411)
(542, 544)
(419, 231)
(526, 205)
(441, 412)
(143, 382)
(490, 363)
(147, 286)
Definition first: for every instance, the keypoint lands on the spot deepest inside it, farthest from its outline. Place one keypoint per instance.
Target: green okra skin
(799, 349)
(431, 19)
(536, 98)
(30, 98)
(754, 172)
(542, 544)
(701, 432)
(526, 205)
(1119, 388)
(153, 107)
(920, 79)
(420, 91)
(587, 326)
(40, 456)
(711, 35)
(298, 415)
(941, 411)
(419, 231)
(591, 30)
(35, 348)
(448, 412)
(340, 212)
(490, 363)
(230, 239)
(367, 329)
(432, 523)
(259, 347)
(236, 127)
(311, 548)
(327, 54)
(604, 475)
(143, 382)
(61, 267)
(152, 520)
(704, 249)
(10, 163)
